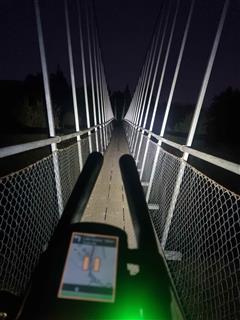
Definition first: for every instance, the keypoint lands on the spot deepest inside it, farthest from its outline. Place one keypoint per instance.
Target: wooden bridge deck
(108, 203)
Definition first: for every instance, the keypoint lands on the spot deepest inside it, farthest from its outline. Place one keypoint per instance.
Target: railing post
(97, 86)
(160, 85)
(49, 107)
(131, 110)
(141, 105)
(153, 82)
(92, 80)
(84, 75)
(135, 104)
(169, 102)
(73, 85)
(194, 123)
(138, 101)
(144, 98)
(101, 98)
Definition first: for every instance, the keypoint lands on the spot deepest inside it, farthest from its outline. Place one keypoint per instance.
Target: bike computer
(90, 268)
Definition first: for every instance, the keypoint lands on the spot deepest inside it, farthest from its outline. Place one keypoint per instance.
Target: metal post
(137, 107)
(73, 85)
(144, 94)
(92, 79)
(155, 45)
(84, 75)
(97, 87)
(49, 107)
(170, 97)
(108, 106)
(101, 98)
(134, 105)
(160, 85)
(101, 83)
(194, 123)
(104, 101)
(141, 95)
(130, 113)
(153, 82)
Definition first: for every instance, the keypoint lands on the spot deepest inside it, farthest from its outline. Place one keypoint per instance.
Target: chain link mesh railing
(141, 154)
(204, 236)
(163, 184)
(206, 231)
(29, 214)
(149, 158)
(69, 167)
(29, 211)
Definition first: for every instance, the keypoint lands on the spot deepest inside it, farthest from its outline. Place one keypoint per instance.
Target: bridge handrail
(225, 164)
(19, 148)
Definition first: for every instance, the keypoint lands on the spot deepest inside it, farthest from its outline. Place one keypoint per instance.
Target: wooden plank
(108, 202)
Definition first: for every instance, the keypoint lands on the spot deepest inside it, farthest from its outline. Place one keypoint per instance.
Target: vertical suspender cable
(137, 106)
(84, 75)
(73, 84)
(97, 82)
(161, 81)
(144, 91)
(144, 108)
(152, 84)
(101, 96)
(170, 96)
(206, 79)
(49, 106)
(92, 79)
(194, 123)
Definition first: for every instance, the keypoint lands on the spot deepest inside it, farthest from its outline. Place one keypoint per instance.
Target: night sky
(125, 30)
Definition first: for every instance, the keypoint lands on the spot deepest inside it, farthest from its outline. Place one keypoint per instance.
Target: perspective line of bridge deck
(108, 203)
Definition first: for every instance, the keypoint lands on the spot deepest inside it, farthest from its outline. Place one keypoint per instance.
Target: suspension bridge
(195, 219)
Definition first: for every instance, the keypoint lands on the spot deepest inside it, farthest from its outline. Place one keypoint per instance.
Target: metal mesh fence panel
(29, 211)
(205, 229)
(108, 134)
(136, 141)
(101, 136)
(128, 131)
(94, 143)
(101, 141)
(29, 214)
(141, 154)
(162, 188)
(204, 236)
(85, 149)
(149, 160)
(69, 168)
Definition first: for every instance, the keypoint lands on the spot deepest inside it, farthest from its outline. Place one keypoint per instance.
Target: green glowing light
(138, 307)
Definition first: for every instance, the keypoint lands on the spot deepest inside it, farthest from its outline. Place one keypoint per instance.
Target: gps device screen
(90, 268)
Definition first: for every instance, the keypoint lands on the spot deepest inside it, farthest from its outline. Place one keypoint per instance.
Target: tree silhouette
(120, 101)
(223, 117)
(61, 94)
(180, 117)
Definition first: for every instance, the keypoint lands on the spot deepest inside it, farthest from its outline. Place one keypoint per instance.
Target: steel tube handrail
(19, 148)
(225, 164)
